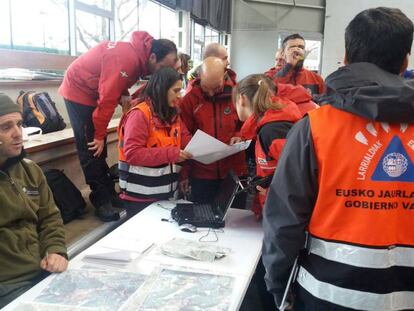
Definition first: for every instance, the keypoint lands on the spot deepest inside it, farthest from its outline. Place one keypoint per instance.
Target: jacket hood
(298, 94)
(142, 43)
(370, 92)
(290, 113)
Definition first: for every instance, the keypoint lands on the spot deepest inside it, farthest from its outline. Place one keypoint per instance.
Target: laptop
(211, 215)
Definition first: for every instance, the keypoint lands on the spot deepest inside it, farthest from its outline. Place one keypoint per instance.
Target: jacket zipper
(14, 186)
(220, 117)
(172, 183)
(216, 135)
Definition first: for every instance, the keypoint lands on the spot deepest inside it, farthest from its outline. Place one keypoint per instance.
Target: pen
(46, 256)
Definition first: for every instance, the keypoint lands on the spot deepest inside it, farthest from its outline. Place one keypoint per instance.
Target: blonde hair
(258, 89)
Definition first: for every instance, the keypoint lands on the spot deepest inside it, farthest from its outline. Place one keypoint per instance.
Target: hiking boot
(116, 201)
(107, 213)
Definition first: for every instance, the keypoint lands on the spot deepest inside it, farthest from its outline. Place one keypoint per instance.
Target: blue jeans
(95, 169)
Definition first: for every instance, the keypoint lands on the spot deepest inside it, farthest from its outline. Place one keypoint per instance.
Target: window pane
(168, 25)
(4, 24)
(102, 4)
(211, 36)
(40, 25)
(313, 51)
(197, 53)
(90, 30)
(126, 19)
(149, 17)
(198, 32)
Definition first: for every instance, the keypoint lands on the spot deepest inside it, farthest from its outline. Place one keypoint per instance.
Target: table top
(242, 234)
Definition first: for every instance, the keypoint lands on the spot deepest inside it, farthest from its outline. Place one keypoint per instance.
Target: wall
(256, 27)
(338, 17)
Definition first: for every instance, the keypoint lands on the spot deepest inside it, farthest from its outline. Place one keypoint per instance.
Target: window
(90, 30)
(198, 42)
(74, 26)
(47, 21)
(5, 33)
(313, 54)
(101, 4)
(126, 19)
(169, 29)
(159, 21)
(211, 36)
(149, 17)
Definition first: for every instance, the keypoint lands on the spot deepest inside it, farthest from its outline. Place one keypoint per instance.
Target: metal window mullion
(92, 9)
(72, 28)
(11, 24)
(112, 22)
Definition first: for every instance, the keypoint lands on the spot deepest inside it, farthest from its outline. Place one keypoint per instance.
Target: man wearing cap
(32, 237)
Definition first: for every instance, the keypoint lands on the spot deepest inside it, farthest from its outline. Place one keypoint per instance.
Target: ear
(244, 101)
(404, 65)
(346, 59)
(152, 58)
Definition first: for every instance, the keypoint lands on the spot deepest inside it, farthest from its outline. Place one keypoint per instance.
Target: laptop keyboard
(204, 211)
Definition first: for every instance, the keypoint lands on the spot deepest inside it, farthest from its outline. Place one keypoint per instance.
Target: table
(242, 233)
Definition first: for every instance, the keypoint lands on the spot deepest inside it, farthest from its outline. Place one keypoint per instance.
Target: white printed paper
(207, 149)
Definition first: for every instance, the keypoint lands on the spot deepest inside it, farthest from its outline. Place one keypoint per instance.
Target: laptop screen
(225, 195)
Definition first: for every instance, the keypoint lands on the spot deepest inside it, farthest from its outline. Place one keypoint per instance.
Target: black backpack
(67, 197)
(39, 110)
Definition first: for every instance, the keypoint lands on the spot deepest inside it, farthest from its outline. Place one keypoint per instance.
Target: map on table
(173, 290)
(90, 289)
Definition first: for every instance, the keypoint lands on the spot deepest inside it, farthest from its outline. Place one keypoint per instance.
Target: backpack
(67, 197)
(39, 110)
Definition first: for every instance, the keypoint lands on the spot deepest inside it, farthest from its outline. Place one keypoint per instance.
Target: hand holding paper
(207, 149)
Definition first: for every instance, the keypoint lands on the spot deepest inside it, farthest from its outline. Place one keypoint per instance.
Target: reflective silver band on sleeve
(355, 299)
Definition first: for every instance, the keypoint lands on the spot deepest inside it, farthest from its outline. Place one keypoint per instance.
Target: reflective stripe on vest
(354, 299)
(150, 191)
(150, 182)
(149, 171)
(362, 256)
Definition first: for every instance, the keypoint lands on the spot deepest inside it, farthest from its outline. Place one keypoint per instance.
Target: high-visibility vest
(145, 182)
(361, 252)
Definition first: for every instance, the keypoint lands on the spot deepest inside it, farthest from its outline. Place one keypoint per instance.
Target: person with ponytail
(151, 142)
(267, 119)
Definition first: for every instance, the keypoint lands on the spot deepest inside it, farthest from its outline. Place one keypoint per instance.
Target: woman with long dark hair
(151, 140)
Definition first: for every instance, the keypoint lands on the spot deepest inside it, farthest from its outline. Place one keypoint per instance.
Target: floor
(78, 228)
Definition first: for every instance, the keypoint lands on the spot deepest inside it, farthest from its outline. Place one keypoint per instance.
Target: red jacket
(217, 117)
(270, 135)
(272, 72)
(100, 76)
(308, 79)
(298, 94)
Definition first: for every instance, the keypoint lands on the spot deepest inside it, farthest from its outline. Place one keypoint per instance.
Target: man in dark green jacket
(32, 237)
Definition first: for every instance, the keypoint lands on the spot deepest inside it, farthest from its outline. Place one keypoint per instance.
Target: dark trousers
(10, 292)
(95, 169)
(205, 191)
(132, 208)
